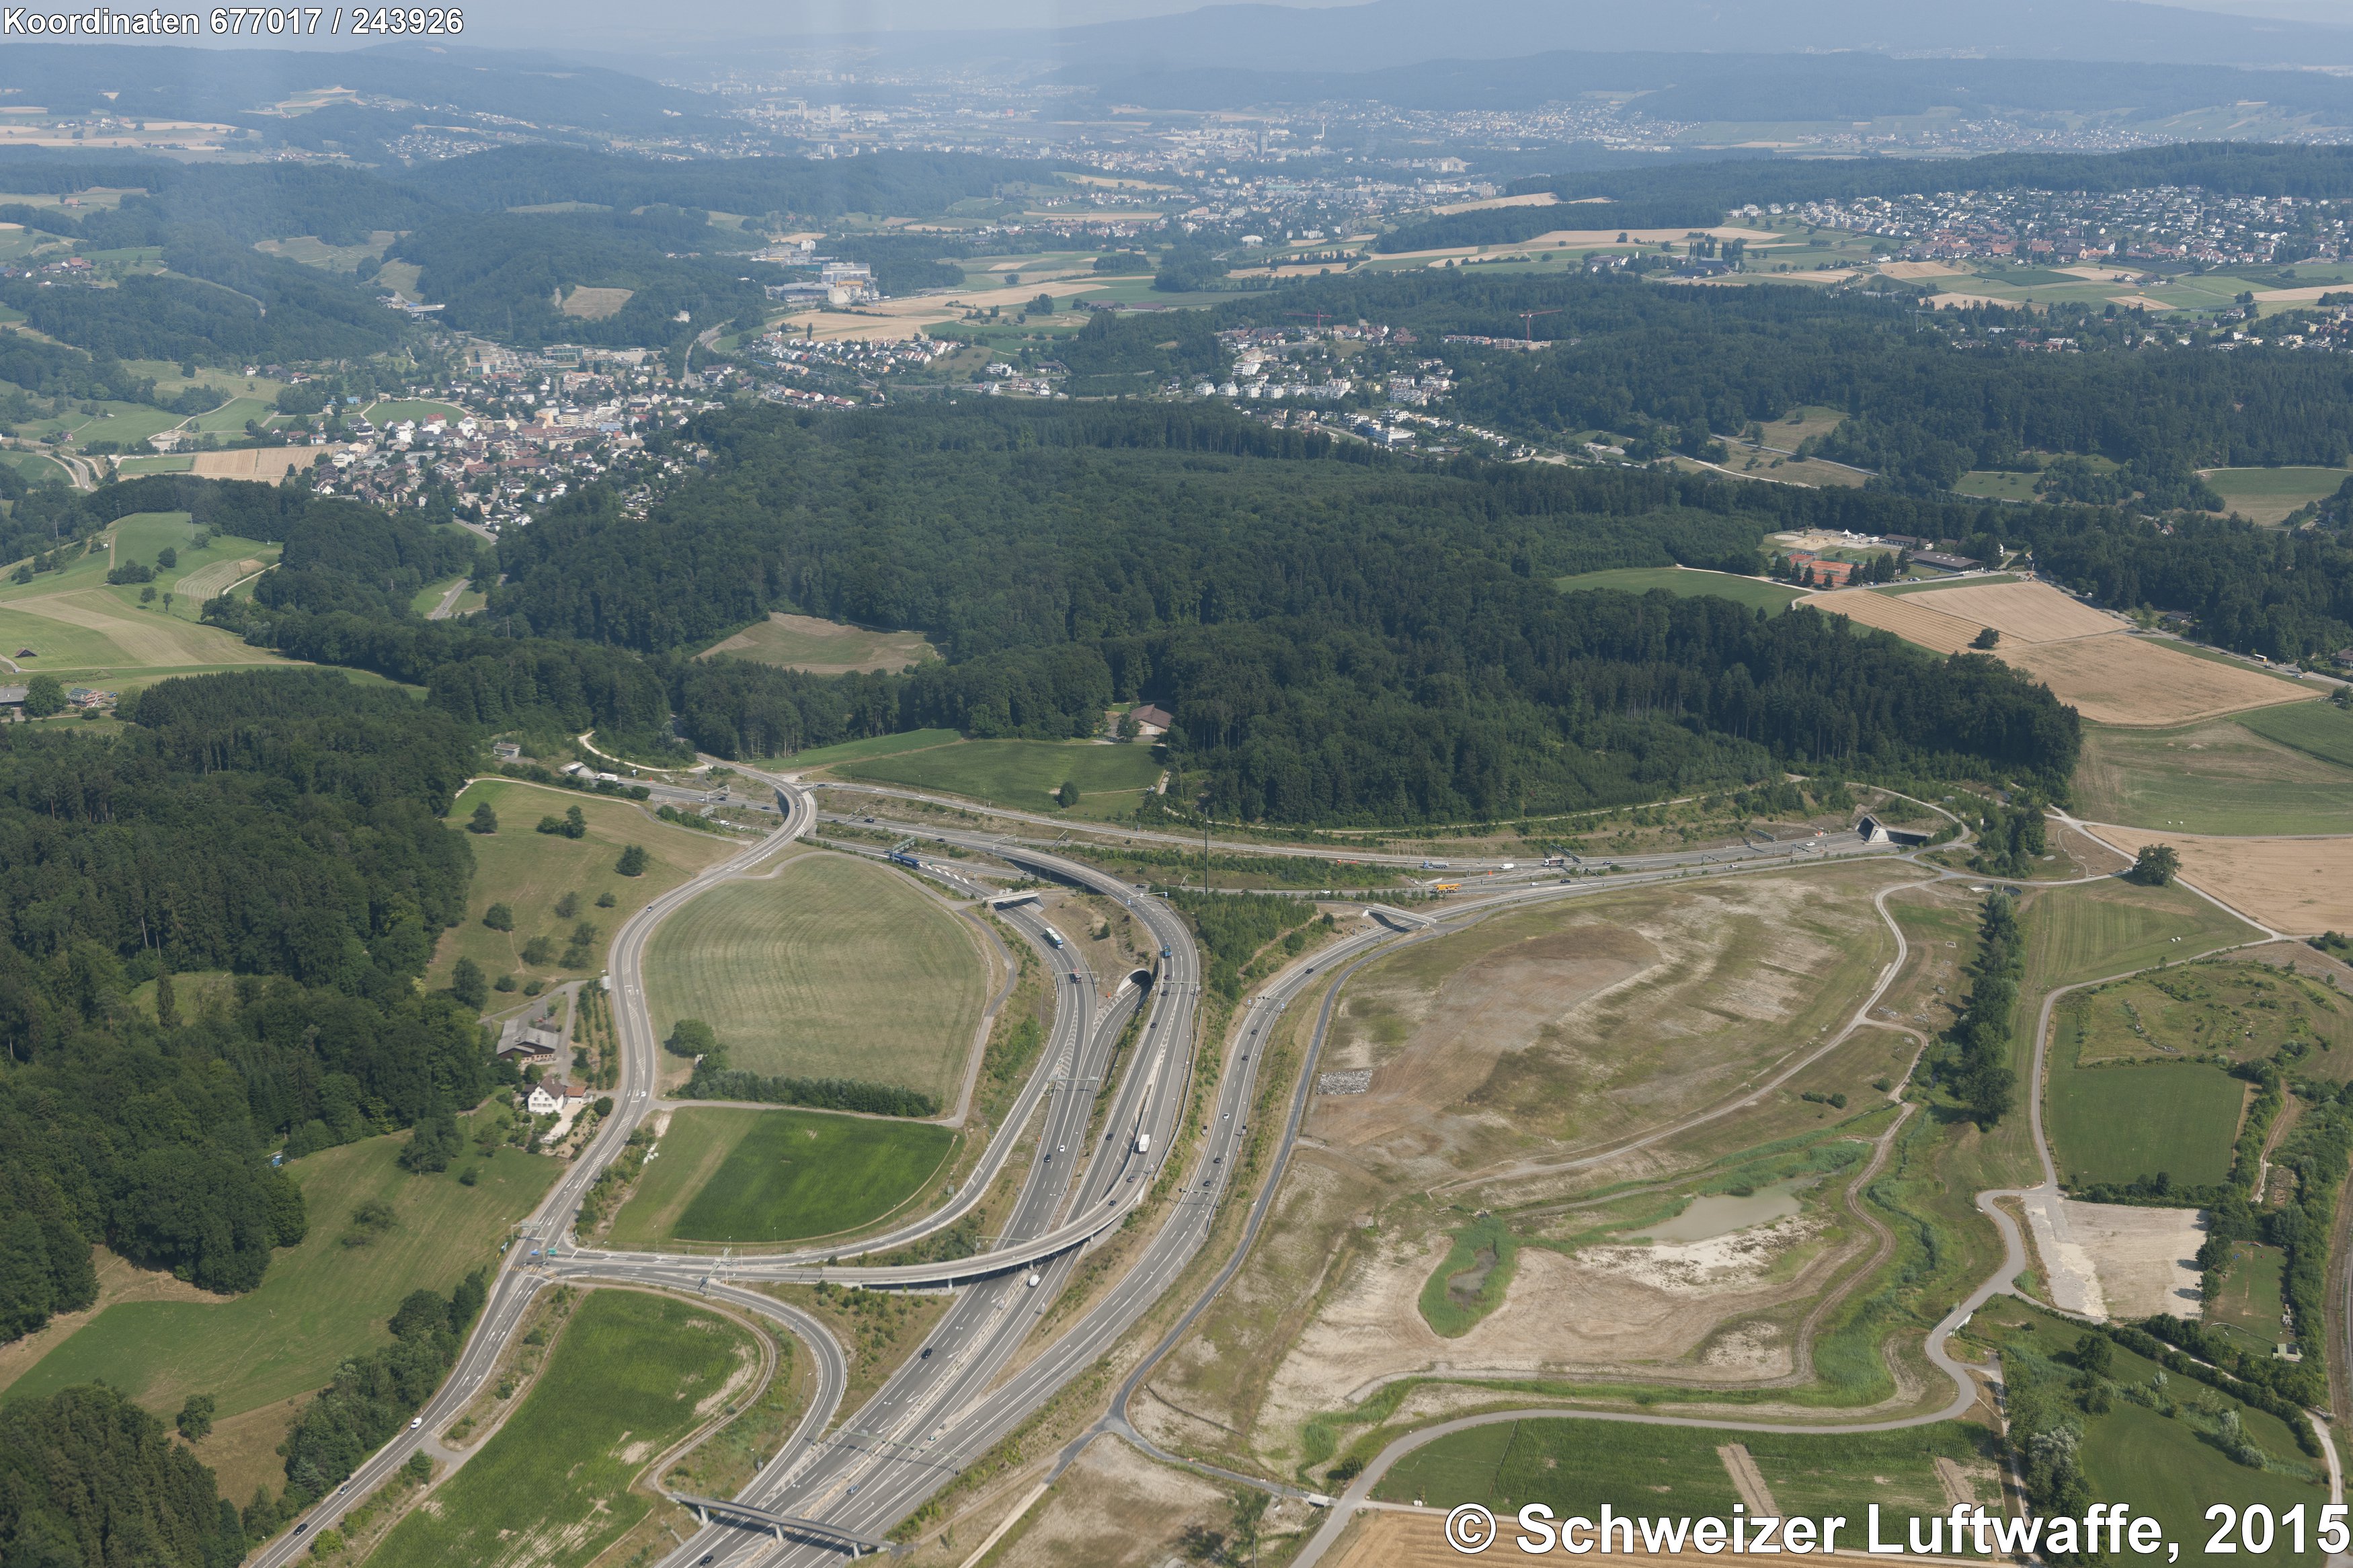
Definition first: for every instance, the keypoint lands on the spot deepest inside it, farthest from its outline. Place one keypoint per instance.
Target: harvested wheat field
(259, 462)
(1906, 615)
(2120, 678)
(2022, 611)
(2301, 886)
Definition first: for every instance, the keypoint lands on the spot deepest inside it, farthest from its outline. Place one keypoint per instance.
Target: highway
(939, 1410)
(951, 1402)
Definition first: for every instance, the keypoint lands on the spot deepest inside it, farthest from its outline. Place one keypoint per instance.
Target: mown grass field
(528, 871)
(2320, 730)
(1993, 484)
(1750, 591)
(2119, 1124)
(391, 410)
(833, 967)
(2226, 776)
(2250, 1299)
(1574, 1467)
(85, 630)
(2096, 929)
(823, 647)
(320, 1301)
(230, 418)
(2268, 495)
(726, 1174)
(554, 1488)
(1023, 774)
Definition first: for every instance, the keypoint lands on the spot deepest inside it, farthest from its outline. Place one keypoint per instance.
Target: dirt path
(1749, 1480)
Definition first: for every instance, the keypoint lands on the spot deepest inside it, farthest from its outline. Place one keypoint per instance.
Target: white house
(549, 1096)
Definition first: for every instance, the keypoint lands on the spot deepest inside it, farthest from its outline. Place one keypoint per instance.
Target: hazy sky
(583, 22)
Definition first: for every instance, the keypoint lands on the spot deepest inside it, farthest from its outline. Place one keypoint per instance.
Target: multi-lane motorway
(953, 1400)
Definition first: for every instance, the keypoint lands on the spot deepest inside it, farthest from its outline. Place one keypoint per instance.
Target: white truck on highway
(1054, 937)
(1143, 1142)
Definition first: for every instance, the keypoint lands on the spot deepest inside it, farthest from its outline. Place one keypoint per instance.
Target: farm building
(1943, 563)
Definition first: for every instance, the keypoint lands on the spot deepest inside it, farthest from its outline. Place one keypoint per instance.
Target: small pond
(1721, 1214)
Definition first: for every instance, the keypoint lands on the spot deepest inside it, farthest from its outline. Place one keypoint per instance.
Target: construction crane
(1320, 316)
(1528, 322)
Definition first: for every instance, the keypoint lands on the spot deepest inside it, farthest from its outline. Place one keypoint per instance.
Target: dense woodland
(88, 1478)
(1341, 640)
(282, 825)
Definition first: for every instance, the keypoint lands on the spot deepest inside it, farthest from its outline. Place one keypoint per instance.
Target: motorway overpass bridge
(780, 1525)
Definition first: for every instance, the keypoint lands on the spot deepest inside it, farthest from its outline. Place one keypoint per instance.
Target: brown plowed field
(2302, 886)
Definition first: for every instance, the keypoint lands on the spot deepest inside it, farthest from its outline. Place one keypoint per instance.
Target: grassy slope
(2268, 495)
(82, 628)
(528, 871)
(873, 746)
(320, 1301)
(1749, 591)
(2227, 776)
(553, 1487)
(834, 967)
(732, 1176)
(793, 644)
(1023, 774)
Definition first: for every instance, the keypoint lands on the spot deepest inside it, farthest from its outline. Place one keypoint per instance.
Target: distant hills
(1745, 87)
(1386, 34)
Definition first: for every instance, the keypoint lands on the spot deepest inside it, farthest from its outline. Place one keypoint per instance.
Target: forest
(280, 824)
(87, 1476)
(1342, 637)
